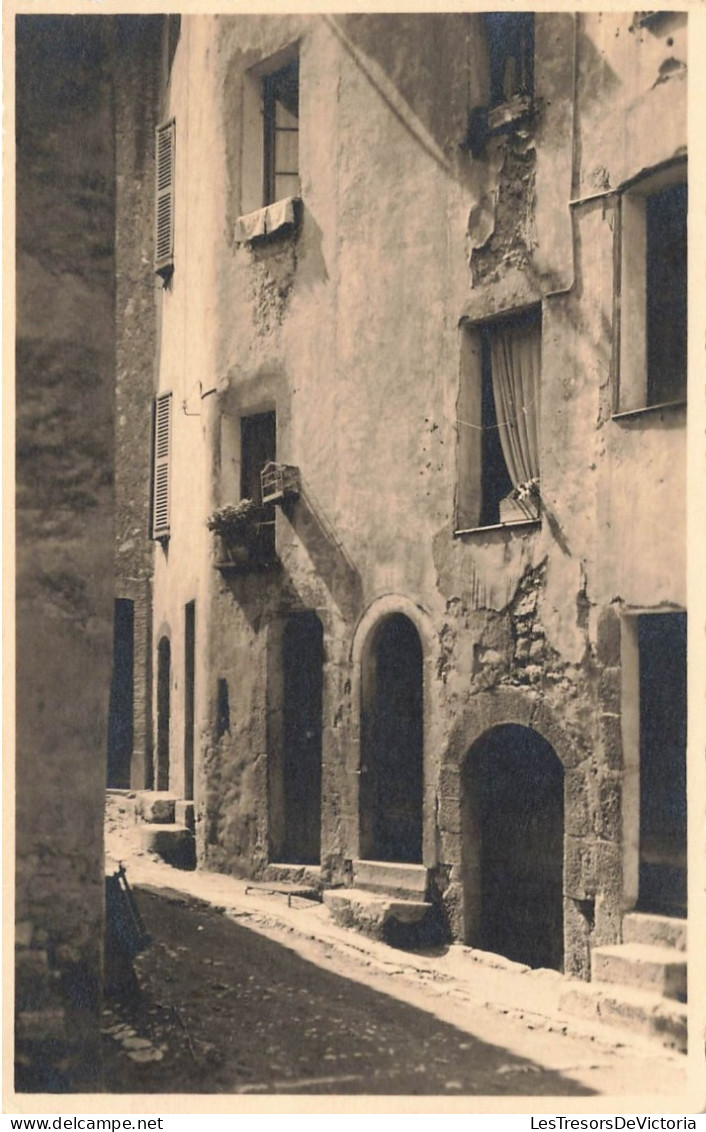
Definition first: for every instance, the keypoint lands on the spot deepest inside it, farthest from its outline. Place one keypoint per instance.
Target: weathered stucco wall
(139, 47)
(351, 328)
(65, 397)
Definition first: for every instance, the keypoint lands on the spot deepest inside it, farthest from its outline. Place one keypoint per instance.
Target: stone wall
(65, 397)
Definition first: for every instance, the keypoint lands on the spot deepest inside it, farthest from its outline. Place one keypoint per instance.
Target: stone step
(307, 875)
(659, 931)
(661, 970)
(173, 843)
(155, 806)
(409, 882)
(373, 913)
(629, 1008)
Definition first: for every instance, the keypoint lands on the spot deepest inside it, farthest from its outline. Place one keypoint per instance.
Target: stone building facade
(64, 434)
(429, 271)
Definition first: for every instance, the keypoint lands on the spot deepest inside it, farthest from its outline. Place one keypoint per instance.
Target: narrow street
(243, 991)
(223, 1009)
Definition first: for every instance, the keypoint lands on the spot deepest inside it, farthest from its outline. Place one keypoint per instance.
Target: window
(498, 422)
(653, 293)
(164, 200)
(510, 37)
(280, 103)
(258, 445)
(162, 454)
(270, 186)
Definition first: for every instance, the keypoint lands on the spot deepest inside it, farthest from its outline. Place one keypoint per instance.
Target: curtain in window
(516, 365)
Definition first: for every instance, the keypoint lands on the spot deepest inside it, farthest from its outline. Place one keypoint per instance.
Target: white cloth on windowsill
(265, 221)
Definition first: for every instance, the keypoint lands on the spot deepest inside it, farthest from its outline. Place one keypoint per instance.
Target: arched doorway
(302, 679)
(513, 846)
(392, 744)
(163, 713)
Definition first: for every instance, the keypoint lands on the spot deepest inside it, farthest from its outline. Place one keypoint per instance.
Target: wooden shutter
(164, 199)
(162, 453)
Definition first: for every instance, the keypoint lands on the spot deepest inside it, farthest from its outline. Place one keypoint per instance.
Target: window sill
(274, 219)
(629, 414)
(498, 527)
(507, 113)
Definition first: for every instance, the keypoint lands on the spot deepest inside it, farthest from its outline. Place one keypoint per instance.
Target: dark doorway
(163, 713)
(120, 719)
(392, 748)
(662, 651)
(189, 695)
(513, 844)
(302, 664)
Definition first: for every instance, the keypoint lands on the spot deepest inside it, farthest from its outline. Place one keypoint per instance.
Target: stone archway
(512, 819)
(392, 743)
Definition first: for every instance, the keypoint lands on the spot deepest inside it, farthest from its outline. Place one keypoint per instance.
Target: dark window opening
(663, 710)
(163, 713)
(189, 696)
(258, 440)
(281, 122)
(666, 295)
(121, 711)
(511, 55)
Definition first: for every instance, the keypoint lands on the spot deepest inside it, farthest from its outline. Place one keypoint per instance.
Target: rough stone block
(576, 803)
(154, 806)
(609, 690)
(608, 638)
(173, 843)
(406, 881)
(450, 781)
(612, 740)
(580, 869)
(449, 814)
(608, 819)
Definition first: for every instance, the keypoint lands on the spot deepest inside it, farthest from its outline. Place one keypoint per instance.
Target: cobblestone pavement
(240, 993)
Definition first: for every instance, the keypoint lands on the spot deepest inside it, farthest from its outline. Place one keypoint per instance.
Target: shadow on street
(222, 1009)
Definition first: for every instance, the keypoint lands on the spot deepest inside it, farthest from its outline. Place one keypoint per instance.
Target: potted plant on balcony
(235, 526)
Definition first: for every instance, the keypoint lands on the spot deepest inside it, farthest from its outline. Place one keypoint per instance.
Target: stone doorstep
(661, 931)
(407, 882)
(661, 970)
(629, 1008)
(155, 806)
(173, 843)
(307, 875)
(369, 912)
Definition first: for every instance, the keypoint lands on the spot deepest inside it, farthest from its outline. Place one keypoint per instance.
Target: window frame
(631, 386)
(270, 131)
(475, 374)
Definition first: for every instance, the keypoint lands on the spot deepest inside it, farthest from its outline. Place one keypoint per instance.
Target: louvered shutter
(162, 452)
(164, 197)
